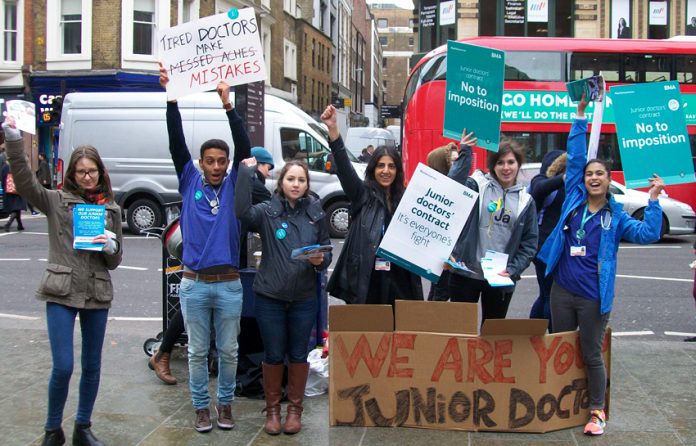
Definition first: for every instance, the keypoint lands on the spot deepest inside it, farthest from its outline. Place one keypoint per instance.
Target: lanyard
(580, 233)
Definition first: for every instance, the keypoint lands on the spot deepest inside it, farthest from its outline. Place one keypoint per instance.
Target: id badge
(382, 264)
(578, 251)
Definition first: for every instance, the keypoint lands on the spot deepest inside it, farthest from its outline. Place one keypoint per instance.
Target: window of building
(143, 26)
(531, 19)
(382, 23)
(69, 23)
(410, 41)
(314, 44)
(384, 62)
(10, 40)
(290, 6)
(188, 10)
(289, 59)
(383, 40)
(658, 19)
(139, 24)
(411, 23)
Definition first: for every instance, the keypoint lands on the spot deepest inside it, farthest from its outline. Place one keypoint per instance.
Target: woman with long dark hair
(581, 254)
(286, 288)
(360, 276)
(76, 282)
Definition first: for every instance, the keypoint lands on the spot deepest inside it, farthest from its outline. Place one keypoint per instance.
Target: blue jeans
(61, 324)
(223, 302)
(285, 328)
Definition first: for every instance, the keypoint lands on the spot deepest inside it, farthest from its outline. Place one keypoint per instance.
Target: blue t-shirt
(580, 274)
(209, 239)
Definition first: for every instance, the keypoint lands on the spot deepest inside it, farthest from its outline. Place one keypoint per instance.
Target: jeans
(223, 301)
(61, 324)
(541, 308)
(571, 311)
(285, 328)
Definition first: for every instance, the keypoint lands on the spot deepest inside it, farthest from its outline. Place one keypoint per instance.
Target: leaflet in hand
(460, 266)
(308, 251)
(592, 87)
(493, 263)
(88, 222)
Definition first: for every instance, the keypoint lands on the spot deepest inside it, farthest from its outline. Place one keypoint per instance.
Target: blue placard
(652, 135)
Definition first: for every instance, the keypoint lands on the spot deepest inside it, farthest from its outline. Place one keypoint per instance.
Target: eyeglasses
(83, 173)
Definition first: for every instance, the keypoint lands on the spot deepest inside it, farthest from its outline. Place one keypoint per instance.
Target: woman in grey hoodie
(502, 220)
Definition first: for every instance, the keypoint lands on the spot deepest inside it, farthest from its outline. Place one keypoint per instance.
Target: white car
(678, 218)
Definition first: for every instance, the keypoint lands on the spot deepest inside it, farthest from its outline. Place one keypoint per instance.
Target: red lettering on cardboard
(362, 350)
(500, 362)
(450, 359)
(564, 357)
(477, 364)
(401, 340)
(543, 353)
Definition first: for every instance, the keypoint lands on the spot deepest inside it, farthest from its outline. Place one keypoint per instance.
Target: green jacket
(75, 278)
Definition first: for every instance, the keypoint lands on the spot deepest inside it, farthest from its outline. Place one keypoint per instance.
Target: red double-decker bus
(536, 108)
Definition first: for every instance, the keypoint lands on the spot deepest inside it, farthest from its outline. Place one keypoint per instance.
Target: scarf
(95, 196)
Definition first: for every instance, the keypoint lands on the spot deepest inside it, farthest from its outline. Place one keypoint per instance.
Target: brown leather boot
(159, 362)
(297, 380)
(273, 391)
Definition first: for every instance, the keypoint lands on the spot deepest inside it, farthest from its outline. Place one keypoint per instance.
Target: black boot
(83, 436)
(54, 438)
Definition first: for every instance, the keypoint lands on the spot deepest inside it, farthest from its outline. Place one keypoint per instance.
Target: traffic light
(56, 109)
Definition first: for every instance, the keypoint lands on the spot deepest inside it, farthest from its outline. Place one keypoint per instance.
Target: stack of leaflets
(592, 87)
(308, 251)
(493, 263)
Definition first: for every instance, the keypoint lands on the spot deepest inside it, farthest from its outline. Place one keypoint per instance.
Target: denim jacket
(619, 223)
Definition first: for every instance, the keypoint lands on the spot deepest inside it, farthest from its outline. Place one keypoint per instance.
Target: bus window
(533, 66)
(584, 65)
(608, 150)
(537, 145)
(685, 69)
(647, 67)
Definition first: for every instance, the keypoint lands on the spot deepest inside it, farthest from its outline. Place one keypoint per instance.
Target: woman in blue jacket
(286, 288)
(581, 255)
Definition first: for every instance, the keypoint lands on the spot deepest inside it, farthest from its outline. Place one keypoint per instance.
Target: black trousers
(494, 300)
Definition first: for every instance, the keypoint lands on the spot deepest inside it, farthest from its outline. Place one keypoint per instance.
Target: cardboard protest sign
(427, 223)
(198, 55)
(474, 93)
(652, 135)
(434, 372)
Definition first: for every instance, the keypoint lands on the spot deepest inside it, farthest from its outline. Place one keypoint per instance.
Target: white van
(358, 138)
(130, 132)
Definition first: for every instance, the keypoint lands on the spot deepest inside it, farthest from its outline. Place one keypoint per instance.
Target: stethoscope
(605, 218)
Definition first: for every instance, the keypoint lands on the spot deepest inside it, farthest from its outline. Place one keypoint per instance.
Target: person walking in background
(75, 283)
(210, 288)
(44, 171)
(360, 276)
(581, 253)
(13, 202)
(285, 288)
(548, 193)
(502, 220)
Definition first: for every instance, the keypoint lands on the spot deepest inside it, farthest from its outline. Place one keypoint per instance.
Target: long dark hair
(396, 190)
(284, 171)
(104, 183)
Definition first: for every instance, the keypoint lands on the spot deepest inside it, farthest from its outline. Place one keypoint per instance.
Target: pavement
(653, 399)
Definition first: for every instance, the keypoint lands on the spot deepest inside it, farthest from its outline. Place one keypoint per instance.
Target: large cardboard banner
(652, 135)
(217, 48)
(509, 379)
(474, 93)
(427, 223)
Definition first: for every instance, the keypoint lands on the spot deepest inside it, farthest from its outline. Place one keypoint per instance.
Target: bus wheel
(142, 214)
(339, 218)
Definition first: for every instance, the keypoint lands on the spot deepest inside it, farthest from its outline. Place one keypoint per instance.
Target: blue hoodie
(620, 224)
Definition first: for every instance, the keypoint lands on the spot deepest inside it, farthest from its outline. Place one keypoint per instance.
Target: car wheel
(640, 214)
(143, 214)
(339, 218)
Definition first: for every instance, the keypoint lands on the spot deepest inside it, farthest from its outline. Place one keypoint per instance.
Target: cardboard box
(432, 370)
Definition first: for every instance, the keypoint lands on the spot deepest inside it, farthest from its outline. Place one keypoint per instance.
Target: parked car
(678, 218)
